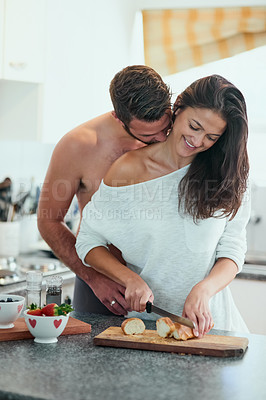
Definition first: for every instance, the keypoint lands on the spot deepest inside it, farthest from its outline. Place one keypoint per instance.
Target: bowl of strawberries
(48, 322)
(10, 309)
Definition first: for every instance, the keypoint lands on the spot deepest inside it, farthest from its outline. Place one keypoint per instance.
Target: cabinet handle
(17, 65)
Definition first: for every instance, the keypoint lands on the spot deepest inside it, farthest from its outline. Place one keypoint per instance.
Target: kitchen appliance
(13, 270)
(209, 345)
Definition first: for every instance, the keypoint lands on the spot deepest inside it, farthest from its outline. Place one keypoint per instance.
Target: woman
(177, 211)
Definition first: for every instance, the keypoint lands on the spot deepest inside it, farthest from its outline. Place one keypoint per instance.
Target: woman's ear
(176, 107)
(177, 103)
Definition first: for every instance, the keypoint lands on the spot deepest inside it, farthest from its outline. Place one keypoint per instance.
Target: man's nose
(161, 137)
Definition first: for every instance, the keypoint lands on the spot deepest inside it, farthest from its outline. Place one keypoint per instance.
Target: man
(142, 115)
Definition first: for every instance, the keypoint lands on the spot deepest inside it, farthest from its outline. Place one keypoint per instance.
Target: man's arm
(61, 184)
(137, 291)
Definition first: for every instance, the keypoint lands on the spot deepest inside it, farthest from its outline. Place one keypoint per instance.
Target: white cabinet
(250, 298)
(23, 39)
(1, 35)
(63, 45)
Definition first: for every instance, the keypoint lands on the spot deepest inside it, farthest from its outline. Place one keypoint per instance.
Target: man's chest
(93, 172)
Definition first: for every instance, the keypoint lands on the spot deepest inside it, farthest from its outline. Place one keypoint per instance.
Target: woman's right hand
(137, 294)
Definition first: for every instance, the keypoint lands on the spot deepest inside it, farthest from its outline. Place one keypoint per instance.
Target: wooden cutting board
(20, 330)
(209, 345)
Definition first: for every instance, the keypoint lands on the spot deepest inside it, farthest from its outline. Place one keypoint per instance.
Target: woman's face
(196, 130)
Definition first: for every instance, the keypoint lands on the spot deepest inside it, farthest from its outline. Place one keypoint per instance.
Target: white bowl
(10, 311)
(45, 329)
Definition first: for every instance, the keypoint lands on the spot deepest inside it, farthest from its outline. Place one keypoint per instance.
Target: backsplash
(23, 161)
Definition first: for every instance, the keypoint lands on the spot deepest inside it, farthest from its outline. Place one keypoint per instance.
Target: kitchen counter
(40, 260)
(75, 369)
(250, 271)
(253, 271)
(19, 288)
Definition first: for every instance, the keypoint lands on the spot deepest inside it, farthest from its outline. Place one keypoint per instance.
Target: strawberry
(38, 311)
(34, 310)
(51, 310)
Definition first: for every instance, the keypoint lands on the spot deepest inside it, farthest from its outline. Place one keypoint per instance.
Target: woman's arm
(137, 291)
(196, 305)
(230, 255)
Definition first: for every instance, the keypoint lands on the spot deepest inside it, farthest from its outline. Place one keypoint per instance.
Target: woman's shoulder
(127, 169)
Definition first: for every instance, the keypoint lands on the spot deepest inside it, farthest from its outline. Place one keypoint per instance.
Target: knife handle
(148, 307)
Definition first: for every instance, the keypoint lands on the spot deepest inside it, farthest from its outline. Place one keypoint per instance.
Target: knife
(181, 320)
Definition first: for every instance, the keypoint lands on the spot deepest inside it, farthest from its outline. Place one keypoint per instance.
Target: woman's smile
(188, 144)
(196, 130)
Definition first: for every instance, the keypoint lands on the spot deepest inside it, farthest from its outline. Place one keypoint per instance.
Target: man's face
(150, 132)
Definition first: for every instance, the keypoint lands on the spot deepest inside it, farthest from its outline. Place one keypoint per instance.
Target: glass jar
(34, 288)
(54, 289)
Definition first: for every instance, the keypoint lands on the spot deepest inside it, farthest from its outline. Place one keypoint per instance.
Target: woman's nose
(198, 140)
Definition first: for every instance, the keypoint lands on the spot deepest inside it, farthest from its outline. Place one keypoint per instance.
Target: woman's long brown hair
(217, 178)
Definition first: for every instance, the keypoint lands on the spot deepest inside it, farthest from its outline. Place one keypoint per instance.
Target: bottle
(54, 289)
(34, 288)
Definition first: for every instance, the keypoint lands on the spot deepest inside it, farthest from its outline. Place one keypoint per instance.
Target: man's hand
(108, 292)
(138, 293)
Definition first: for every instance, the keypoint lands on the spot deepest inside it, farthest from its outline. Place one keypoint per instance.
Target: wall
(87, 42)
(164, 4)
(91, 45)
(247, 71)
(251, 306)
(23, 160)
(95, 40)
(18, 109)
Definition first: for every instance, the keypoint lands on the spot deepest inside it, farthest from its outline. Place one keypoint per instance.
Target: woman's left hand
(196, 308)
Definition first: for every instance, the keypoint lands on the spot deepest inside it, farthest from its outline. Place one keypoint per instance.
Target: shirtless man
(142, 115)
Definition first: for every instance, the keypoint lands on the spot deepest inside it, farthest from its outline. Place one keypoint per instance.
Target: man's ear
(117, 119)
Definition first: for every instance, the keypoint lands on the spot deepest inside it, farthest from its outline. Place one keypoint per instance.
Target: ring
(112, 303)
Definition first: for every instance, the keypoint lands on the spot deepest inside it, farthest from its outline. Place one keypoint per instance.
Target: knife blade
(157, 310)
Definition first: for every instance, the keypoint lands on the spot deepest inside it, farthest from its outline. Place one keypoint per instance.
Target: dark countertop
(75, 369)
(253, 272)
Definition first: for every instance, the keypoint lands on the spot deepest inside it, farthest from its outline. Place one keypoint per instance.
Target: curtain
(175, 40)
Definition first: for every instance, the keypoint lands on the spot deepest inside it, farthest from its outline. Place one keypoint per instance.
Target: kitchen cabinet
(250, 298)
(62, 45)
(23, 39)
(1, 35)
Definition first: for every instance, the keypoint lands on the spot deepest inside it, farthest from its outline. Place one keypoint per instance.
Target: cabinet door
(1, 36)
(24, 38)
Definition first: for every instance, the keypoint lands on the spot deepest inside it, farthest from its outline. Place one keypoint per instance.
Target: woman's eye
(193, 127)
(212, 139)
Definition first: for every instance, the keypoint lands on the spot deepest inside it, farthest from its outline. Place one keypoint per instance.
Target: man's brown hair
(139, 92)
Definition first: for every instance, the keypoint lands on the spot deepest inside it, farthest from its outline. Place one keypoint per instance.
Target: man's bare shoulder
(88, 136)
(74, 151)
(127, 170)
(79, 139)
